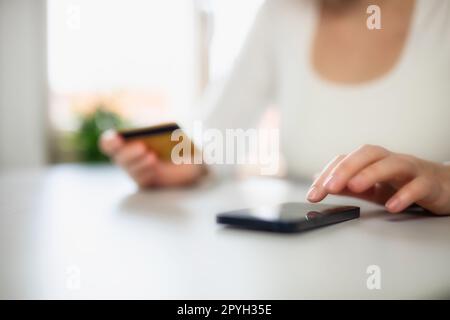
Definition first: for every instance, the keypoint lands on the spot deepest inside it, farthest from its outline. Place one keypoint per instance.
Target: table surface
(86, 232)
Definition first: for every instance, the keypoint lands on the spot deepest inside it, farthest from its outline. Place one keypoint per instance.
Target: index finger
(317, 192)
(352, 164)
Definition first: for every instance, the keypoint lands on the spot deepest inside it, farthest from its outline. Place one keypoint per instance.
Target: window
(139, 59)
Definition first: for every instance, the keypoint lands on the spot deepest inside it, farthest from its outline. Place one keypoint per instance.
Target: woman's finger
(317, 192)
(353, 163)
(379, 193)
(110, 142)
(169, 174)
(130, 153)
(145, 178)
(419, 189)
(390, 168)
(143, 164)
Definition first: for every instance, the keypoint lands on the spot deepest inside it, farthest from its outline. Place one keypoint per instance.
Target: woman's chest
(408, 111)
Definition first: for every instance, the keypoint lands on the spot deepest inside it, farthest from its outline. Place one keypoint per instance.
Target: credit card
(157, 139)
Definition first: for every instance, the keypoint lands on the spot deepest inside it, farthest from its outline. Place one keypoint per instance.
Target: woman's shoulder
(434, 14)
(432, 24)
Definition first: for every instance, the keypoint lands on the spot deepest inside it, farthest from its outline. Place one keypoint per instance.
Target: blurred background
(70, 69)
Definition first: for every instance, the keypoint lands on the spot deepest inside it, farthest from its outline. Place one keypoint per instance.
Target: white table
(86, 232)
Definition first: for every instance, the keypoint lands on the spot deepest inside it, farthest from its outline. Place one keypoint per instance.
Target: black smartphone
(288, 217)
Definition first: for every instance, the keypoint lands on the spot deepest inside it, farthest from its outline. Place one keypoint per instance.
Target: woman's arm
(242, 99)
(393, 179)
(250, 86)
(248, 90)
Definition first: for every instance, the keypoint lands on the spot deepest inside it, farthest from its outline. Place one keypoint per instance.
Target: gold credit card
(157, 139)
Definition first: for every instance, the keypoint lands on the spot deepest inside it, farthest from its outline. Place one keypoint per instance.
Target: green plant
(90, 130)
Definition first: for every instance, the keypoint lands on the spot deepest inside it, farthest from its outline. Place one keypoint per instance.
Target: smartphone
(288, 217)
(157, 139)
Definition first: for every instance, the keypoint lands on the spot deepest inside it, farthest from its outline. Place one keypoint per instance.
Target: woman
(339, 84)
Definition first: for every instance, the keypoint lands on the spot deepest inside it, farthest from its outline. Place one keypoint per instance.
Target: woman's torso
(406, 110)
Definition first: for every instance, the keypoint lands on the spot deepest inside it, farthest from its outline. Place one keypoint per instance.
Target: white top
(406, 110)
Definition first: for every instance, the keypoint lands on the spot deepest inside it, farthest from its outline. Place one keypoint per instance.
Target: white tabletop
(86, 232)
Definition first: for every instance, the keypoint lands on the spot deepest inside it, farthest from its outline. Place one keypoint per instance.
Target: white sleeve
(249, 88)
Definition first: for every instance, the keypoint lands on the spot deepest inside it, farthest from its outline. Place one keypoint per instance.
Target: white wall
(23, 83)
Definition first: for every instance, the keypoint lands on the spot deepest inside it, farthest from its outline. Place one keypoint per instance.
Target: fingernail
(393, 204)
(312, 194)
(330, 183)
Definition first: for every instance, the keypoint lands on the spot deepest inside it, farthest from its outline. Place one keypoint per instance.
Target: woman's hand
(395, 180)
(143, 165)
